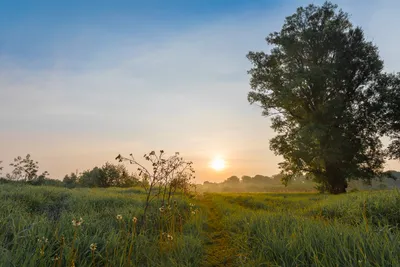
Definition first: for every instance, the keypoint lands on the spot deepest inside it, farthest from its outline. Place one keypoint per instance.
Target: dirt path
(218, 251)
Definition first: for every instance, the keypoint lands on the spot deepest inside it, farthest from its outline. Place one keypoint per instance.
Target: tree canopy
(388, 106)
(321, 84)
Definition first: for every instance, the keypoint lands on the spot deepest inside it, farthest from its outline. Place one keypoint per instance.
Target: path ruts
(218, 251)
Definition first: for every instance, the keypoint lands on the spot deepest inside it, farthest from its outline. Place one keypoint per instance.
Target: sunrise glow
(218, 164)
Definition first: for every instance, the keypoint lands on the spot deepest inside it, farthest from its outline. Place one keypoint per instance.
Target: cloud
(99, 93)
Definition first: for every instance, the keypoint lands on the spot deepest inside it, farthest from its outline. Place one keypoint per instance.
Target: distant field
(225, 229)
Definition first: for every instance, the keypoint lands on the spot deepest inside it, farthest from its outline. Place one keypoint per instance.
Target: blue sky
(29, 28)
(81, 81)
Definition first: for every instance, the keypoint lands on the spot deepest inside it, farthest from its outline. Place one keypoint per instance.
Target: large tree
(388, 107)
(317, 84)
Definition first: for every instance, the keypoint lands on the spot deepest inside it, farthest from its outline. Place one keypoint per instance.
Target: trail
(218, 250)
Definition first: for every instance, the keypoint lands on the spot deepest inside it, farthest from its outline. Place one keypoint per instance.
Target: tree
(246, 179)
(71, 180)
(26, 169)
(316, 85)
(260, 179)
(90, 178)
(388, 112)
(232, 180)
(108, 175)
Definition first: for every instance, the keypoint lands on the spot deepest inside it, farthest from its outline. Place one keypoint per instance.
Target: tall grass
(36, 229)
(297, 232)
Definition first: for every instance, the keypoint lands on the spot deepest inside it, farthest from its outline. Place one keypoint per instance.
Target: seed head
(77, 223)
(93, 246)
(134, 220)
(170, 238)
(119, 217)
(43, 240)
(162, 209)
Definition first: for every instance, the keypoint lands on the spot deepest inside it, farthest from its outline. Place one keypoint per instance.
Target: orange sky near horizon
(96, 93)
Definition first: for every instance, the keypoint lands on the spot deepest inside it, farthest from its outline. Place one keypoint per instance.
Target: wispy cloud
(99, 93)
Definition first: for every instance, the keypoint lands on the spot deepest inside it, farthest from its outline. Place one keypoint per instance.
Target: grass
(31, 215)
(226, 229)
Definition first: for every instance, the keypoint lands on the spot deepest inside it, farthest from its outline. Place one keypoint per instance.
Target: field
(224, 229)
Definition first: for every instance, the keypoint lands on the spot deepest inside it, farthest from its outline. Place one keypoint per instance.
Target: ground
(224, 229)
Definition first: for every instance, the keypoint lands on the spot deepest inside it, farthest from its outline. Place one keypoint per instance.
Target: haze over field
(83, 82)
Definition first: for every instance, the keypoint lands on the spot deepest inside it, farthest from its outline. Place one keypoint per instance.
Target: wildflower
(119, 217)
(161, 209)
(93, 246)
(43, 240)
(134, 220)
(77, 223)
(170, 238)
(193, 212)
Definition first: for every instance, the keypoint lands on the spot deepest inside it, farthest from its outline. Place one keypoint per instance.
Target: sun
(218, 164)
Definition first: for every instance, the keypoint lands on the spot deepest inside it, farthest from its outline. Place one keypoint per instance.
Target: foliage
(26, 169)
(108, 175)
(71, 180)
(42, 226)
(316, 84)
(258, 183)
(165, 176)
(295, 229)
(388, 106)
(232, 180)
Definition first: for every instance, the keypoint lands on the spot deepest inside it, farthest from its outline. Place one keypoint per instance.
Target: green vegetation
(36, 228)
(227, 229)
(300, 183)
(358, 229)
(323, 85)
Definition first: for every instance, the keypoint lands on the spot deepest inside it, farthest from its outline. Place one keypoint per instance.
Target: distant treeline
(261, 183)
(26, 170)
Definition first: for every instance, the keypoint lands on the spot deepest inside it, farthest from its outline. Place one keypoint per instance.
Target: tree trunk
(338, 188)
(336, 182)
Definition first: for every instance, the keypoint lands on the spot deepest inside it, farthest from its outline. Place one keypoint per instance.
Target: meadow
(53, 226)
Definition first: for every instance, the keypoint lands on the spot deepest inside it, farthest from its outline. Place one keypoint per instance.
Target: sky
(83, 81)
